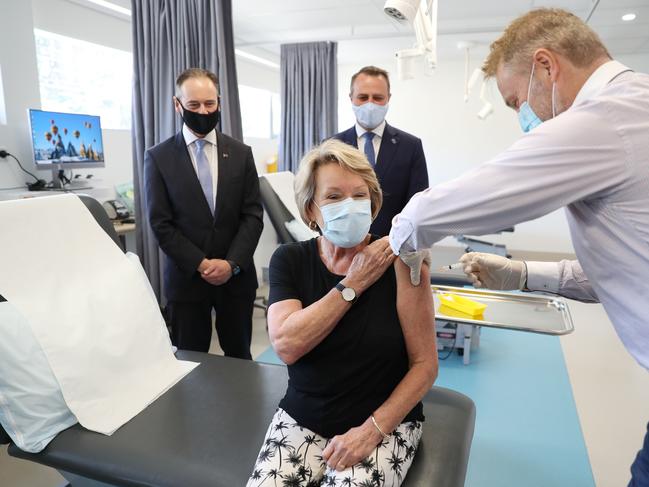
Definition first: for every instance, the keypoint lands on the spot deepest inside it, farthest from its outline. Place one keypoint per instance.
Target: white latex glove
(414, 260)
(494, 272)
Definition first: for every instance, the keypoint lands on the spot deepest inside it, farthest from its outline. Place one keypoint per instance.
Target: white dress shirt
(593, 159)
(376, 140)
(211, 152)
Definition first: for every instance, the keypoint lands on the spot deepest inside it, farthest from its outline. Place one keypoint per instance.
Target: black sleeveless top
(347, 376)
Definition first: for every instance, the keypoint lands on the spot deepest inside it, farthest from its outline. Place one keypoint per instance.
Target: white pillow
(32, 408)
(299, 231)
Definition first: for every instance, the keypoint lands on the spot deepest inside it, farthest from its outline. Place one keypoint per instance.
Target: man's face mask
(526, 116)
(370, 115)
(346, 222)
(200, 123)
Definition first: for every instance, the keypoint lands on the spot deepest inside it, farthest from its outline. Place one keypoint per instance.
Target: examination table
(208, 428)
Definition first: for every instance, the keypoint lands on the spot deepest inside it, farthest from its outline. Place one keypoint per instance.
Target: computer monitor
(62, 141)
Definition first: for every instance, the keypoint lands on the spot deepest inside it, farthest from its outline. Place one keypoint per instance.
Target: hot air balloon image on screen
(66, 139)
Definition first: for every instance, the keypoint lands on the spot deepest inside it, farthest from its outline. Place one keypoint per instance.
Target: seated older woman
(357, 336)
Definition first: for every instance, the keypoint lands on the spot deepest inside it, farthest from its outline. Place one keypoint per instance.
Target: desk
(208, 428)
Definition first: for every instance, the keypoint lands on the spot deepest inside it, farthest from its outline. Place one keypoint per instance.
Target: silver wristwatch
(348, 293)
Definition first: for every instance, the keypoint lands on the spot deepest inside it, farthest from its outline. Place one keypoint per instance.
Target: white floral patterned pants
(291, 456)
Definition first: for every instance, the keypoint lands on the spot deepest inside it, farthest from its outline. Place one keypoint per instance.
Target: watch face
(349, 294)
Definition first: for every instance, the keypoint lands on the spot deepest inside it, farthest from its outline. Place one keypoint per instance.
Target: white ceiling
(362, 29)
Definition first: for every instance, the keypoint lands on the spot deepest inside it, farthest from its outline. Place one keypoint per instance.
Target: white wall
(454, 139)
(258, 76)
(20, 83)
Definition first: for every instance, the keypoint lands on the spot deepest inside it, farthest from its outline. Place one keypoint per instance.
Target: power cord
(39, 184)
(448, 354)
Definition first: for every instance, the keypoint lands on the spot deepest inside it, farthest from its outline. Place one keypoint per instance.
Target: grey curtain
(168, 37)
(309, 99)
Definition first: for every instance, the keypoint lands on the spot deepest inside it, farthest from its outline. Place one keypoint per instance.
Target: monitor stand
(62, 183)
(57, 173)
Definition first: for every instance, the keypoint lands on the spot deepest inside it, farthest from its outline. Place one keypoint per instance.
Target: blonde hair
(333, 151)
(555, 29)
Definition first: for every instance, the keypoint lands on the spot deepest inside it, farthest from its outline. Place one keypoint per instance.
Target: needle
(448, 267)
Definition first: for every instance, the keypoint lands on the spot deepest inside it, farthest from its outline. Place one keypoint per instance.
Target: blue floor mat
(527, 430)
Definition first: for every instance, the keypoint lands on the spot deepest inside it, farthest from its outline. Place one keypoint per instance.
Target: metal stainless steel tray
(536, 313)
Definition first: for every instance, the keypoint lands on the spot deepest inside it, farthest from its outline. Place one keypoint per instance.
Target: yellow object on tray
(462, 304)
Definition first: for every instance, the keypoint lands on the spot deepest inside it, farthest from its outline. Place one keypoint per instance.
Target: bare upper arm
(416, 313)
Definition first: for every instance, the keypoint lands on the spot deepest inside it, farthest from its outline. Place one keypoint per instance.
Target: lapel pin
(225, 155)
(393, 140)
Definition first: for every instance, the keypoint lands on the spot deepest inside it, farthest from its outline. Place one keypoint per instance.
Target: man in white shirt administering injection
(586, 148)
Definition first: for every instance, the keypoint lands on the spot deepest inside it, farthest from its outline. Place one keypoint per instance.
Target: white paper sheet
(282, 184)
(90, 308)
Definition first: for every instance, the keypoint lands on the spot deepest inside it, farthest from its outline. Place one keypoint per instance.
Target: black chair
(4, 437)
(278, 215)
(101, 217)
(276, 210)
(206, 431)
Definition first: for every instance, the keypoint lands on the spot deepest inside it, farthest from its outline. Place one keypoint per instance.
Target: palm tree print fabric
(291, 456)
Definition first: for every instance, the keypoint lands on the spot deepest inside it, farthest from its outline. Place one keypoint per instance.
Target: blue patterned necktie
(368, 148)
(204, 172)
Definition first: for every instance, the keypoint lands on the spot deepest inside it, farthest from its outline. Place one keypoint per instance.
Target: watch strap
(236, 270)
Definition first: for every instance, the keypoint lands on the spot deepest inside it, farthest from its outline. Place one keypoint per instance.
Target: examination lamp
(487, 108)
(402, 9)
(424, 20)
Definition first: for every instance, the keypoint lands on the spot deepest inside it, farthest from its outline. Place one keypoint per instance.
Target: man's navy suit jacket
(400, 168)
(183, 223)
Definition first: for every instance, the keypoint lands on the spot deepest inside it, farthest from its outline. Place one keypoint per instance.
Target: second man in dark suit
(397, 157)
(203, 204)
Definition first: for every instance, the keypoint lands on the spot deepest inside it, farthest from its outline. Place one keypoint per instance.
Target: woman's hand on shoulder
(369, 265)
(344, 451)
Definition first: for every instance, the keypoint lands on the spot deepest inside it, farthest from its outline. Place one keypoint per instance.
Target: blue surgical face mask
(370, 115)
(346, 222)
(526, 116)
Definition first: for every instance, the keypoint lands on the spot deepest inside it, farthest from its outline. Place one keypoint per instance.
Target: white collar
(191, 137)
(598, 80)
(378, 130)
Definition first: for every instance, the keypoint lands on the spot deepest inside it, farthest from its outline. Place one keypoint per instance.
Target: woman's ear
(312, 216)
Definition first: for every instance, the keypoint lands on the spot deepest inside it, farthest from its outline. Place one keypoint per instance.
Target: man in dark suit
(398, 157)
(204, 207)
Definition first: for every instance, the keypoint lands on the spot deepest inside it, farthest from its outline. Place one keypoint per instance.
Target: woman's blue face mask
(346, 222)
